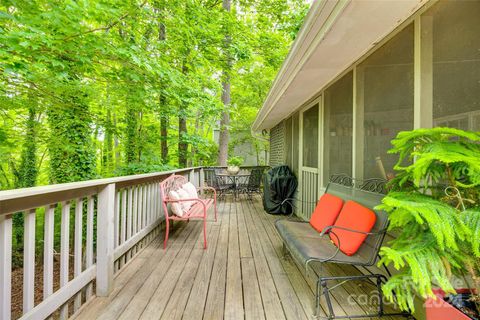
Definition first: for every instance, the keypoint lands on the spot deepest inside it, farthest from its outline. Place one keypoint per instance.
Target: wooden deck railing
(112, 219)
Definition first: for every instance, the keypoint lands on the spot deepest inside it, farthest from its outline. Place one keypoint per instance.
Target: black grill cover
(279, 184)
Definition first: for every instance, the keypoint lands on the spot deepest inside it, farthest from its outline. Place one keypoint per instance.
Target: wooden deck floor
(242, 275)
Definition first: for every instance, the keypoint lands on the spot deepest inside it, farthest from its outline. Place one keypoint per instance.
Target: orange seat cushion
(353, 216)
(326, 211)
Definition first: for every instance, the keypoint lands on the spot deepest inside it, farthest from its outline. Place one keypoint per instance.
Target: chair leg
(317, 299)
(166, 234)
(327, 298)
(215, 207)
(205, 231)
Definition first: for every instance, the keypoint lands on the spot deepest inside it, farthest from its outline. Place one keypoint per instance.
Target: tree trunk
(131, 132)
(182, 130)
(225, 120)
(162, 35)
(107, 160)
(140, 137)
(72, 156)
(26, 175)
(193, 147)
(116, 142)
(163, 130)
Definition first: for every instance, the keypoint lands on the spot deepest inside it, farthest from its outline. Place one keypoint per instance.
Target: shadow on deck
(242, 275)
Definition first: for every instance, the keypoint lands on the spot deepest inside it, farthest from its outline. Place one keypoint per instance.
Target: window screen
(386, 78)
(456, 63)
(338, 128)
(310, 137)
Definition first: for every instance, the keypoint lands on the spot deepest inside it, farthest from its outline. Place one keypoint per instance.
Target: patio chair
(253, 182)
(222, 185)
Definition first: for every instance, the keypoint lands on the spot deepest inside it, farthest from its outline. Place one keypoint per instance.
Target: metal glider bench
(344, 229)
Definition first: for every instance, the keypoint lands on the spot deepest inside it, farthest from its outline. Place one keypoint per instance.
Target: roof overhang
(335, 34)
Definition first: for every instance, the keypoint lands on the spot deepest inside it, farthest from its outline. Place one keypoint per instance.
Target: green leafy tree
(433, 207)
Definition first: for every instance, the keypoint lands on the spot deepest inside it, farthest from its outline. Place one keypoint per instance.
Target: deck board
(243, 274)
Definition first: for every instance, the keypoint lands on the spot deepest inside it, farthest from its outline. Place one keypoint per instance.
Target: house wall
(425, 74)
(277, 145)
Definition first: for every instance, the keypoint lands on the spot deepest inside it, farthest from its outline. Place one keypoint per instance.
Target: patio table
(235, 178)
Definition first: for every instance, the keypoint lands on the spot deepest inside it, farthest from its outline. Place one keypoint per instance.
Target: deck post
(105, 240)
(5, 266)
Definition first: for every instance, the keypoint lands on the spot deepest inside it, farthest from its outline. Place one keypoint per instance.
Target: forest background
(102, 88)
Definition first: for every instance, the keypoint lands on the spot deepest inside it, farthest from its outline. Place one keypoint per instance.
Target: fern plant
(433, 208)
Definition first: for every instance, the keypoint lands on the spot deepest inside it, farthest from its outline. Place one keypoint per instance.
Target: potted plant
(234, 165)
(433, 206)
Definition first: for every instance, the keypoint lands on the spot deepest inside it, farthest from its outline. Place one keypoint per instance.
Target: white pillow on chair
(176, 206)
(191, 190)
(184, 195)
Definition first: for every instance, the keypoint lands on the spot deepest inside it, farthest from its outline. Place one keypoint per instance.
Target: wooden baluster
(144, 205)
(116, 232)
(157, 202)
(5, 266)
(129, 213)
(149, 204)
(77, 267)
(64, 252)
(124, 212)
(130, 210)
(152, 200)
(140, 207)
(190, 176)
(49, 232)
(123, 218)
(89, 243)
(135, 210)
(29, 261)
(116, 228)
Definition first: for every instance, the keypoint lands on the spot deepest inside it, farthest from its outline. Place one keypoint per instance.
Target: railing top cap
(26, 192)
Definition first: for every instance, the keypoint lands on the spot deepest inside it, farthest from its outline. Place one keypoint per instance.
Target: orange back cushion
(326, 211)
(353, 216)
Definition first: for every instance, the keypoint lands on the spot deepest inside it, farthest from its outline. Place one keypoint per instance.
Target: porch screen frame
(307, 208)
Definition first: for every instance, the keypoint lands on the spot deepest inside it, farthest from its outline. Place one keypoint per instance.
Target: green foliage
(85, 85)
(439, 153)
(433, 207)
(101, 75)
(26, 175)
(235, 161)
(70, 146)
(139, 168)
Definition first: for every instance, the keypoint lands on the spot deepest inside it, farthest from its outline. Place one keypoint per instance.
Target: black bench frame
(368, 193)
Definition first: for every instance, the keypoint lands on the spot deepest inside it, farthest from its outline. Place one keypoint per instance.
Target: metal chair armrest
(325, 259)
(329, 228)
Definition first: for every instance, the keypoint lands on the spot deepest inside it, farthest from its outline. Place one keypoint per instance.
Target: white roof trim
(335, 34)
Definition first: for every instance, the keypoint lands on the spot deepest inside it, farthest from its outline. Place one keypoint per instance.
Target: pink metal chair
(197, 211)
